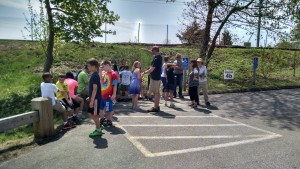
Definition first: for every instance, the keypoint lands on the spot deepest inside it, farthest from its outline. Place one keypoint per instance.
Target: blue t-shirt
(157, 63)
(95, 79)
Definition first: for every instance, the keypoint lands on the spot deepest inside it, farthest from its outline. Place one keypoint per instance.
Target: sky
(158, 21)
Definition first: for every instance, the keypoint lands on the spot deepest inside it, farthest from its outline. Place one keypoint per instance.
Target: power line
(157, 1)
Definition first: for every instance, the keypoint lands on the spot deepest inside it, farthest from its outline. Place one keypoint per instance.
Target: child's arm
(92, 99)
(114, 83)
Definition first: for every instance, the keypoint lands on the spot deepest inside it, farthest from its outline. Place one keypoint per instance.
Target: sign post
(228, 74)
(185, 62)
(255, 65)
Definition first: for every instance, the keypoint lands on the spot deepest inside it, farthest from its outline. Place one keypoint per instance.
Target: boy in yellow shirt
(64, 96)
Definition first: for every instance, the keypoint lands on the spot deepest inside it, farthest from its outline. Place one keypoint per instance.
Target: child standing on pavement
(109, 82)
(170, 85)
(94, 96)
(135, 84)
(125, 81)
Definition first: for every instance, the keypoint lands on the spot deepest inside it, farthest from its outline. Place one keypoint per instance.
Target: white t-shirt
(49, 90)
(126, 75)
(163, 73)
(202, 74)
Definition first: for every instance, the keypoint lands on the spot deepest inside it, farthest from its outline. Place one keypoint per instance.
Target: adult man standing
(178, 72)
(155, 77)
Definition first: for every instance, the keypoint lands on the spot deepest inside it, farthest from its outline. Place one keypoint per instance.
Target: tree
(227, 38)
(295, 35)
(213, 15)
(284, 44)
(294, 8)
(192, 34)
(75, 20)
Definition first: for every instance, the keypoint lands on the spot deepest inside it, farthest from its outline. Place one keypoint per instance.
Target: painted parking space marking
(193, 137)
(181, 125)
(208, 116)
(250, 138)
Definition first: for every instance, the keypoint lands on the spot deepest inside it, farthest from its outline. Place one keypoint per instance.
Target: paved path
(243, 130)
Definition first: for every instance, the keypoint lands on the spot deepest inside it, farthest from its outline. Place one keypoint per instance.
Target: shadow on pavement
(100, 143)
(278, 108)
(205, 111)
(164, 114)
(114, 130)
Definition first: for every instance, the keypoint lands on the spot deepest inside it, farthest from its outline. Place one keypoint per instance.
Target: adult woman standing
(203, 80)
(194, 83)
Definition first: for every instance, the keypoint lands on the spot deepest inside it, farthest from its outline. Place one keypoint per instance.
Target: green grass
(21, 65)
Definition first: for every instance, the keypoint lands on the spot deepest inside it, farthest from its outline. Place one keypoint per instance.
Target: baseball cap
(155, 48)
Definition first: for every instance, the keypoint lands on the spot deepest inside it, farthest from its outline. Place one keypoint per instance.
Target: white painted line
(194, 137)
(181, 125)
(210, 116)
(136, 143)
(215, 146)
(255, 128)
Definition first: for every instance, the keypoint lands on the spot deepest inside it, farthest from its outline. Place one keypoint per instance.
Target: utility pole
(139, 33)
(105, 33)
(259, 22)
(167, 34)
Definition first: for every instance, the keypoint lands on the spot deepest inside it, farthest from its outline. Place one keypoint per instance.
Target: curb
(253, 90)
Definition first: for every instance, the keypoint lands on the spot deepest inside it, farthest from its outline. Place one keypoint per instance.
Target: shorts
(124, 88)
(95, 109)
(75, 105)
(59, 107)
(154, 86)
(107, 105)
(169, 87)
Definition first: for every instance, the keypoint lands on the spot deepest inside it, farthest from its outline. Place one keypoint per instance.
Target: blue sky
(153, 16)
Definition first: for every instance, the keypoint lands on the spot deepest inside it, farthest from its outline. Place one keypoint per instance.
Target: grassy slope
(21, 66)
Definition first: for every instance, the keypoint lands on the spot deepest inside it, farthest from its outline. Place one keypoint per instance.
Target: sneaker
(172, 105)
(166, 104)
(181, 97)
(102, 126)
(109, 123)
(103, 121)
(75, 119)
(95, 133)
(70, 120)
(207, 104)
(68, 126)
(153, 110)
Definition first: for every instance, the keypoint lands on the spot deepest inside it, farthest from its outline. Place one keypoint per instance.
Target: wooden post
(45, 125)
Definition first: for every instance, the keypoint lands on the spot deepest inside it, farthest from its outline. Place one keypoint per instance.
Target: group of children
(100, 83)
(102, 92)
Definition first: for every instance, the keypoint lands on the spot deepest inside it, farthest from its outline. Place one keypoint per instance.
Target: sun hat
(200, 60)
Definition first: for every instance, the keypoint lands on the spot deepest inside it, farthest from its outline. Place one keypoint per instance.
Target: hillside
(22, 62)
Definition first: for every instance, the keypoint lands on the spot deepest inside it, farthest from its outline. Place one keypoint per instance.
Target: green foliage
(227, 38)
(79, 20)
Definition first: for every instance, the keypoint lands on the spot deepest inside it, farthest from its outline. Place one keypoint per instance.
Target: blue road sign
(255, 62)
(185, 62)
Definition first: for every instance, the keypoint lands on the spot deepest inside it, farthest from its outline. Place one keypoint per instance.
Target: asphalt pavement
(239, 130)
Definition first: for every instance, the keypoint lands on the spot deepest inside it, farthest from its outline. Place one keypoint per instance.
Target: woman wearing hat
(203, 80)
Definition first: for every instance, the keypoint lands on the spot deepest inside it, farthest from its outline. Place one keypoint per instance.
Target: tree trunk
(213, 43)
(49, 55)
(204, 44)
